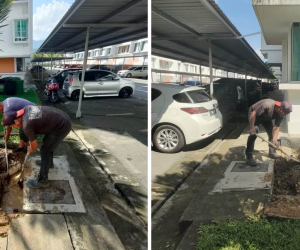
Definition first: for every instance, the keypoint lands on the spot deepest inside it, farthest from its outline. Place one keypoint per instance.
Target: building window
(136, 47)
(296, 52)
(186, 67)
(153, 62)
(21, 30)
(144, 46)
(20, 64)
(164, 65)
(108, 51)
(123, 49)
(193, 69)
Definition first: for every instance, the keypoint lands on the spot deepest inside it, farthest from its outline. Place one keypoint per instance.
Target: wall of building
(11, 49)
(113, 58)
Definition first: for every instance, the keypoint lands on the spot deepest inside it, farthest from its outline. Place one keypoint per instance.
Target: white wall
(19, 10)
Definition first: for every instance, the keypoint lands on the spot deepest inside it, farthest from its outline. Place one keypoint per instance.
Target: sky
(47, 13)
(242, 15)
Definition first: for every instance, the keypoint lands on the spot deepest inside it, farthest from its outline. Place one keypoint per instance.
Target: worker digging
(263, 112)
(14, 104)
(53, 123)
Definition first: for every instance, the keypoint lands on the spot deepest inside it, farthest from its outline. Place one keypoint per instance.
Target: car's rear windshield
(199, 96)
(181, 98)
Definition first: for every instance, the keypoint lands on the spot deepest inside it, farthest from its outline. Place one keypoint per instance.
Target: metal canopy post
(51, 64)
(42, 67)
(78, 113)
(210, 69)
(246, 96)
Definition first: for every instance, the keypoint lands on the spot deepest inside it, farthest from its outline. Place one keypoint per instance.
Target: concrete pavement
(198, 201)
(109, 223)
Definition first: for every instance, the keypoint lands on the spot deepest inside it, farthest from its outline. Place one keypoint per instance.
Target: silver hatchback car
(97, 83)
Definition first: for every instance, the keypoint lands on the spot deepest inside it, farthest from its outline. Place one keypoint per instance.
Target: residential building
(167, 70)
(16, 44)
(116, 57)
(280, 24)
(273, 55)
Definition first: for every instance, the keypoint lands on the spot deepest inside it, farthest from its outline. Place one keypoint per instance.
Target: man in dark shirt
(41, 120)
(263, 112)
(14, 104)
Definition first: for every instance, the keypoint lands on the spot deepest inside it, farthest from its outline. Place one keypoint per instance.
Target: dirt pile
(285, 201)
(286, 177)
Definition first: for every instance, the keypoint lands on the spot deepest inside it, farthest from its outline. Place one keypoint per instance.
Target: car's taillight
(71, 80)
(195, 110)
(257, 88)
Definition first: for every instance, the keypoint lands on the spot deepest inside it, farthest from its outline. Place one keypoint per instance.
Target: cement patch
(247, 178)
(39, 231)
(61, 197)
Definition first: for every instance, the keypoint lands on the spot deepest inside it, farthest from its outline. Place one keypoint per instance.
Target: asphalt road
(141, 91)
(162, 162)
(121, 125)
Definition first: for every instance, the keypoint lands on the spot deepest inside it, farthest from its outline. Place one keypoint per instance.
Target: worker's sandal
(273, 154)
(39, 183)
(249, 160)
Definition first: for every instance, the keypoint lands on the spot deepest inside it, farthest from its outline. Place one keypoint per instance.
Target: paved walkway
(105, 221)
(220, 188)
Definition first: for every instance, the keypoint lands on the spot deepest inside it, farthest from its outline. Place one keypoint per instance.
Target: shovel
(20, 181)
(274, 146)
(6, 156)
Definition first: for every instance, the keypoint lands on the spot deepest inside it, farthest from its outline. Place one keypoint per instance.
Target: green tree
(5, 7)
(47, 55)
(270, 68)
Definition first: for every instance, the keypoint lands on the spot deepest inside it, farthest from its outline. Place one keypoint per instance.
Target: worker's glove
(252, 131)
(275, 142)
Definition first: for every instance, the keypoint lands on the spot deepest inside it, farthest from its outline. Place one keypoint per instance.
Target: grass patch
(30, 95)
(250, 234)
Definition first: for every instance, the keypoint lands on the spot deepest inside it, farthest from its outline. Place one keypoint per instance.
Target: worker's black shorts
(22, 135)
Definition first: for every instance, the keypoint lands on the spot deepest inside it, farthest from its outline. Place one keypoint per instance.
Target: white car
(97, 83)
(182, 115)
(134, 72)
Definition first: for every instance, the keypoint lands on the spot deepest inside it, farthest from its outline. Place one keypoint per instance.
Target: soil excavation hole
(285, 200)
(11, 195)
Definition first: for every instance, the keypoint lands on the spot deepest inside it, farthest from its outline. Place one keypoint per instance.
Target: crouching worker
(54, 124)
(14, 104)
(263, 112)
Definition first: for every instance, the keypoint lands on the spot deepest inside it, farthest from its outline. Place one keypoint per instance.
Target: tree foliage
(5, 7)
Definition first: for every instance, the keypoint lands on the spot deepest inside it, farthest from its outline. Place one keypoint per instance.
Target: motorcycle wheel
(54, 97)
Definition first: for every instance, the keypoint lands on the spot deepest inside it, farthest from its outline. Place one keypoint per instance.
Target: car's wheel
(125, 92)
(75, 95)
(168, 139)
(129, 75)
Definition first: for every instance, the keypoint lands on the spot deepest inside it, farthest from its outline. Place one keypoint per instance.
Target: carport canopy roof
(181, 30)
(48, 59)
(112, 22)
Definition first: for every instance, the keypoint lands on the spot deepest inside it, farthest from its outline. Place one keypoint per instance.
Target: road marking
(141, 90)
(119, 114)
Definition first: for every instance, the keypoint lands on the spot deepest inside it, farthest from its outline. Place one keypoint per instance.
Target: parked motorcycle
(51, 90)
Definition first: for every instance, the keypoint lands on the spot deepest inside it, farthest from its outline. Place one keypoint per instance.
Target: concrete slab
(3, 243)
(61, 197)
(248, 179)
(36, 231)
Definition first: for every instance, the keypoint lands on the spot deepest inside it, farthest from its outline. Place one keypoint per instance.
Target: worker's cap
(11, 116)
(286, 106)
